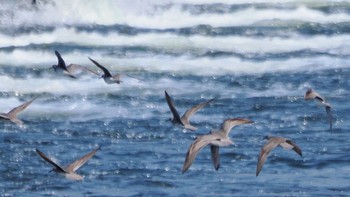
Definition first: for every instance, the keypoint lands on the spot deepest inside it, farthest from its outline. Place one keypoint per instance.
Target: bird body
(184, 119)
(272, 143)
(12, 114)
(69, 171)
(107, 76)
(71, 70)
(215, 139)
(311, 94)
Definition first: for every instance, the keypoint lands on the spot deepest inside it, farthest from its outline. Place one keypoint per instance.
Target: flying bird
(69, 171)
(107, 76)
(311, 94)
(272, 143)
(216, 139)
(184, 120)
(12, 114)
(71, 70)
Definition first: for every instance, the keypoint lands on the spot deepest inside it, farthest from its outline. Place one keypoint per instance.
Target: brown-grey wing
(105, 71)
(61, 62)
(4, 116)
(295, 147)
(172, 108)
(319, 97)
(78, 163)
(264, 153)
(117, 77)
(13, 113)
(66, 72)
(134, 77)
(215, 156)
(74, 68)
(330, 117)
(194, 149)
(42, 155)
(187, 115)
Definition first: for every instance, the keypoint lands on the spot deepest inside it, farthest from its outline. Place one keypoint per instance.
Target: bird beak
(246, 121)
(250, 121)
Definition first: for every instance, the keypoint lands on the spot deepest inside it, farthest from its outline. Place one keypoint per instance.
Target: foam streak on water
(255, 58)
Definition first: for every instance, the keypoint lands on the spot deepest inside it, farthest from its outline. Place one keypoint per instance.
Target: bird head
(266, 138)
(309, 94)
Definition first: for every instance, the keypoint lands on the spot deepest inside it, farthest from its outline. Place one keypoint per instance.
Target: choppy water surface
(256, 59)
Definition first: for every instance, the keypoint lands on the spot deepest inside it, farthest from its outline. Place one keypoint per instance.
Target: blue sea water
(255, 58)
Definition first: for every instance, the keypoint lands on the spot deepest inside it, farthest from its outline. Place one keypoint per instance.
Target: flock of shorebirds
(220, 138)
(215, 139)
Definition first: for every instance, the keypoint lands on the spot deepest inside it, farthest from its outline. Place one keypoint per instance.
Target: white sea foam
(208, 66)
(181, 65)
(179, 53)
(157, 15)
(172, 43)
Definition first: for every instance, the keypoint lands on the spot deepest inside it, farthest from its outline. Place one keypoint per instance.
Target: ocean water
(255, 58)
